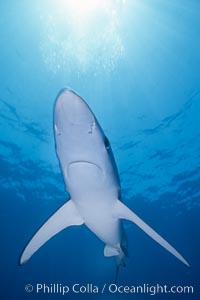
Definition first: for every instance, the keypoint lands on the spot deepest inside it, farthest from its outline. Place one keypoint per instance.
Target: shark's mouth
(84, 172)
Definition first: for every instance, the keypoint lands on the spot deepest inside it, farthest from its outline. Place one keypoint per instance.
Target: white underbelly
(99, 219)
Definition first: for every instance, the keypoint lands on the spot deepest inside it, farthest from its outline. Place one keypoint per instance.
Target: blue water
(137, 65)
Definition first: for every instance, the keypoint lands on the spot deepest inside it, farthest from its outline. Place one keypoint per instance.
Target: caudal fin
(120, 262)
(116, 273)
(123, 212)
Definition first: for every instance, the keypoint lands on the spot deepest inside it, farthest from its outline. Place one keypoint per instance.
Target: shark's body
(92, 180)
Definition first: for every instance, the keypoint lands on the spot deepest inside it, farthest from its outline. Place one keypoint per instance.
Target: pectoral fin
(123, 212)
(64, 217)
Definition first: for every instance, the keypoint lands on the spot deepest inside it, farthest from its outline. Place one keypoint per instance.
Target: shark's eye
(106, 143)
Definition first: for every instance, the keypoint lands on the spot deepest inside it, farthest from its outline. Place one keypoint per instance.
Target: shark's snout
(72, 109)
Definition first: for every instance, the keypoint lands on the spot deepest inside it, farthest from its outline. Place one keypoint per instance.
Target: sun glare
(85, 33)
(84, 8)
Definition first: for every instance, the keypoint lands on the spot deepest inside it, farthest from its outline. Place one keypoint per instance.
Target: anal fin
(64, 217)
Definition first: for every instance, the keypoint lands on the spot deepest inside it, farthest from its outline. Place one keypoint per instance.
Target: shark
(92, 181)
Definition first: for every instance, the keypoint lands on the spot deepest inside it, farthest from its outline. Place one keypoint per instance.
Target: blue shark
(91, 178)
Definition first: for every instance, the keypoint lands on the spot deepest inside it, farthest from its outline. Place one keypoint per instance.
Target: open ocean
(137, 65)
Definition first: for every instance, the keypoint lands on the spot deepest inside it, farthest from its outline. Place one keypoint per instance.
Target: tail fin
(120, 262)
(123, 212)
(116, 273)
